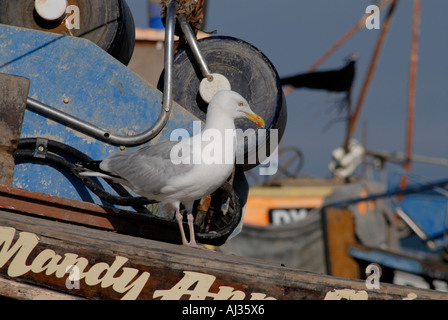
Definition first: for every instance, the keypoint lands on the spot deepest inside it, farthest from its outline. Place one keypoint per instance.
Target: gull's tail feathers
(92, 169)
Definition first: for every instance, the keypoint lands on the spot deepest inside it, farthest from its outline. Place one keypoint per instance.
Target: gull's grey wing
(147, 169)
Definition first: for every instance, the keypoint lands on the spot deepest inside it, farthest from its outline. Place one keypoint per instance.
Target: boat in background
(390, 230)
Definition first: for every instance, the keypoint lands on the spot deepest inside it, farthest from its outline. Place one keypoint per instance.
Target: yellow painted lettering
(21, 249)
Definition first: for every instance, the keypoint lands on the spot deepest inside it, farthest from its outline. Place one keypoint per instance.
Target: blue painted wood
(387, 259)
(74, 75)
(427, 208)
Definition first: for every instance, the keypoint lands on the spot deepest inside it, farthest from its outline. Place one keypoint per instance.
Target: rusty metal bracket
(41, 148)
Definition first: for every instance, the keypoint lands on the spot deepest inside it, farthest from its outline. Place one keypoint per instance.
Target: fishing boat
(351, 223)
(65, 237)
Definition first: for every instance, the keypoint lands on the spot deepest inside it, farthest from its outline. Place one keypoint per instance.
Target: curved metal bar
(104, 135)
(193, 43)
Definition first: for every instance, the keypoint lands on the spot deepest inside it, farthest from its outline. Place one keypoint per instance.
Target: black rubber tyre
(108, 23)
(249, 72)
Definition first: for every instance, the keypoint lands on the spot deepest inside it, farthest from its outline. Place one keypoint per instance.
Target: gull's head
(233, 104)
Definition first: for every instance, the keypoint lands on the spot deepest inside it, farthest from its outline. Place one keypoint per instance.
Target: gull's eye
(240, 104)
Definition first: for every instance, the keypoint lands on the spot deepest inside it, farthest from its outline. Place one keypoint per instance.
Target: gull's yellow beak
(255, 118)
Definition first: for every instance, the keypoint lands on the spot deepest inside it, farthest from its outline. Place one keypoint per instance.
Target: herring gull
(152, 172)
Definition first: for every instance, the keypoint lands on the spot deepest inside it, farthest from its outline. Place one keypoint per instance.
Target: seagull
(158, 173)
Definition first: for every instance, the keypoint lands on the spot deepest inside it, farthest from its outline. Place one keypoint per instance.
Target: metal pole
(193, 43)
(169, 56)
(336, 45)
(411, 92)
(379, 45)
(400, 157)
(412, 83)
(392, 193)
(104, 135)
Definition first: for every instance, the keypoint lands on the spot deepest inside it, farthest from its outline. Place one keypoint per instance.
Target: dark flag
(333, 80)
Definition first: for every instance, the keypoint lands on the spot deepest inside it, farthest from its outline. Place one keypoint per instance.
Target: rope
(191, 8)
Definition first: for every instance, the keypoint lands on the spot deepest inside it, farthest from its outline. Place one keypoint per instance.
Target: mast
(412, 89)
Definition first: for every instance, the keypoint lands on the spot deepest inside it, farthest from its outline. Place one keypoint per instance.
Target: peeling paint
(86, 139)
(410, 296)
(41, 135)
(346, 294)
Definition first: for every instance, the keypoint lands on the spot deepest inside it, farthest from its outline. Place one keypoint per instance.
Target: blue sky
(293, 34)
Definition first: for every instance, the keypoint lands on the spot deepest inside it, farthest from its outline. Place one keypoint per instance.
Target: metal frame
(192, 42)
(102, 134)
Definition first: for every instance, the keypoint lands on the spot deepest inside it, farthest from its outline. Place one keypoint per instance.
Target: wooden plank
(114, 266)
(13, 95)
(340, 234)
(23, 291)
(431, 273)
(73, 211)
